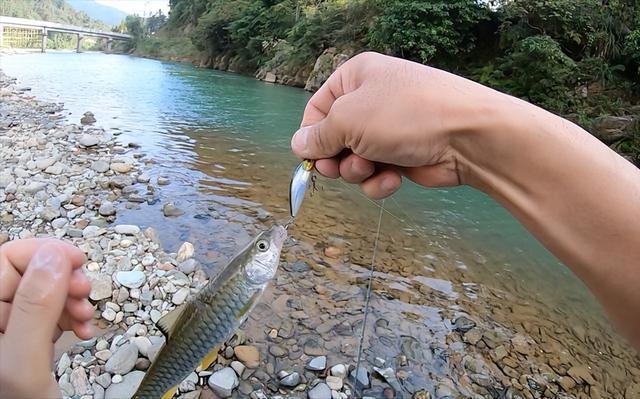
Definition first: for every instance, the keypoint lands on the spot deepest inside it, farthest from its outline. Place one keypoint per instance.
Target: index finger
(19, 252)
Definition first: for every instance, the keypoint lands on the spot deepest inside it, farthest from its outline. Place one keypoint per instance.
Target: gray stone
(339, 370)
(362, 377)
(144, 178)
(88, 140)
(63, 364)
(290, 380)
(79, 381)
(123, 360)
(59, 223)
(334, 383)
(101, 287)
(92, 231)
(34, 187)
(188, 266)
(98, 391)
(44, 163)
(320, 391)
(88, 118)
(143, 344)
(463, 324)
(104, 380)
(185, 252)
(223, 382)
(126, 388)
(127, 229)
(170, 210)
(131, 279)
(55, 169)
(100, 166)
(317, 363)
(107, 209)
(237, 366)
(180, 296)
(163, 181)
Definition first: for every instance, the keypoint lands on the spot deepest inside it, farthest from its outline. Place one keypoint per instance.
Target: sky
(140, 7)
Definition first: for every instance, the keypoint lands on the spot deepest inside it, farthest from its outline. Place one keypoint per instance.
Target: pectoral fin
(170, 393)
(172, 320)
(209, 359)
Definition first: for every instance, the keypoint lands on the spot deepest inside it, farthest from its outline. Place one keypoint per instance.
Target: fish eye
(263, 245)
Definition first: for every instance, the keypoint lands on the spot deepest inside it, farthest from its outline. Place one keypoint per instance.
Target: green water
(179, 115)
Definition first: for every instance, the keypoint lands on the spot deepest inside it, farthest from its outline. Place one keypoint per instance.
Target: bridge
(42, 28)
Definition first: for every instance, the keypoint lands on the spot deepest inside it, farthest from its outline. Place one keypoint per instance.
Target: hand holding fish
(379, 118)
(42, 292)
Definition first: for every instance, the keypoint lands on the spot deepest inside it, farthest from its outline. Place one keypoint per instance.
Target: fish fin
(168, 323)
(210, 358)
(170, 393)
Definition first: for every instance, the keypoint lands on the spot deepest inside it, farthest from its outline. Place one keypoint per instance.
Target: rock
(339, 370)
(463, 324)
(63, 364)
(361, 377)
(87, 140)
(100, 166)
(56, 169)
(238, 367)
(612, 128)
(143, 364)
(116, 379)
(248, 355)
(270, 77)
(188, 266)
(131, 279)
(104, 380)
(324, 66)
(100, 287)
(318, 363)
(127, 229)
(143, 178)
(109, 314)
(98, 391)
(34, 187)
(107, 209)
(472, 336)
(223, 381)
(163, 181)
(522, 344)
(126, 388)
(143, 344)
(170, 210)
(88, 118)
(123, 360)
(334, 383)
(290, 380)
(120, 181)
(498, 353)
(4, 237)
(185, 252)
(103, 355)
(581, 375)
(179, 297)
(446, 390)
(44, 163)
(632, 391)
(333, 252)
(320, 391)
(92, 231)
(313, 348)
(278, 351)
(120, 167)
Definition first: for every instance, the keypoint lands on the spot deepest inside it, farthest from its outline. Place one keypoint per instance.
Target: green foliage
(425, 30)
(48, 10)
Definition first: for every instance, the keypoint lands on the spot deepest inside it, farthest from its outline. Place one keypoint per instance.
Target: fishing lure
(303, 178)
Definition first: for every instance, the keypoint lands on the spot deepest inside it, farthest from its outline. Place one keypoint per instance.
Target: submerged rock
(223, 382)
(126, 388)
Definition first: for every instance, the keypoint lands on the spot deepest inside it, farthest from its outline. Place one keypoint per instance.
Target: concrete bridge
(44, 27)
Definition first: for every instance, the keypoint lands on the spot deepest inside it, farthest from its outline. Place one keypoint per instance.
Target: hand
(42, 292)
(378, 118)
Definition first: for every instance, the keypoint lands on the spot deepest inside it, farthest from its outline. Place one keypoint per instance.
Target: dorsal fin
(170, 322)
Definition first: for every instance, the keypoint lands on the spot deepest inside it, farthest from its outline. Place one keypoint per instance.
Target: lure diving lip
(302, 175)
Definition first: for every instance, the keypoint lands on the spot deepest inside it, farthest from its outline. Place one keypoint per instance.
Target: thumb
(322, 140)
(40, 297)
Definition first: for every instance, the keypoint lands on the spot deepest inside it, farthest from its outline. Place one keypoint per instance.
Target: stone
(632, 391)
(463, 324)
(361, 377)
(270, 77)
(333, 252)
(320, 391)
(238, 367)
(127, 229)
(143, 178)
(92, 231)
(290, 380)
(55, 169)
(143, 344)
(446, 390)
(131, 279)
(612, 128)
(163, 181)
(107, 209)
(170, 210)
(44, 163)
(88, 118)
(63, 364)
(188, 266)
(98, 391)
(126, 388)
(109, 314)
(185, 252)
(116, 379)
(87, 140)
(104, 380)
(103, 355)
(142, 364)
(278, 351)
(58, 223)
(100, 166)
(498, 353)
(334, 383)
(34, 187)
(123, 360)
(180, 296)
(324, 66)
(248, 355)
(581, 375)
(522, 344)
(472, 336)
(339, 370)
(101, 287)
(120, 167)
(223, 382)
(318, 363)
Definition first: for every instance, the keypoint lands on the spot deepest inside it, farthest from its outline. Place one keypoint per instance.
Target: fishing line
(368, 298)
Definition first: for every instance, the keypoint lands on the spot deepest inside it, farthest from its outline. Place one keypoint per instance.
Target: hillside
(108, 15)
(49, 10)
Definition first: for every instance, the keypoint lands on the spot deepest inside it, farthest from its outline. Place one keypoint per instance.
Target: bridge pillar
(44, 40)
(79, 44)
(109, 45)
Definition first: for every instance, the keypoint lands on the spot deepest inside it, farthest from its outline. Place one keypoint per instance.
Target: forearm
(578, 197)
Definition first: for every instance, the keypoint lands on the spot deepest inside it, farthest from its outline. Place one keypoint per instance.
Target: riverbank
(433, 331)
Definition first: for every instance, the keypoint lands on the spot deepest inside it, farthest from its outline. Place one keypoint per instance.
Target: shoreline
(311, 310)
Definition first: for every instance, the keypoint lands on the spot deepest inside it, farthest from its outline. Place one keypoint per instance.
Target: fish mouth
(278, 234)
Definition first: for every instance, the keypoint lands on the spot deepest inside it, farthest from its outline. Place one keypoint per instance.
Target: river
(222, 140)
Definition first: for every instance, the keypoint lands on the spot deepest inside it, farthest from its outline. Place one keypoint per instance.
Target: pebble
(320, 391)
(581, 375)
(334, 383)
(180, 296)
(317, 363)
(100, 166)
(278, 351)
(248, 355)
(143, 178)
(188, 266)
(120, 167)
(109, 314)
(223, 382)
(170, 210)
(123, 360)
(142, 364)
(185, 252)
(103, 354)
(104, 380)
(163, 181)
(87, 140)
(463, 324)
(143, 344)
(362, 377)
(333, 252)
(238, 367)
(131, 279)
(290, 380)
(127, 229)
(116, 379)
(339, 370)
(126, 388)
(63, 364)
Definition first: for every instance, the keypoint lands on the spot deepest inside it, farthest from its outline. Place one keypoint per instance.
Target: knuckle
(28, 302)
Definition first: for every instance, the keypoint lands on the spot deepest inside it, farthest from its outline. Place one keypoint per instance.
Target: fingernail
(299, 140)
(47, 256)
(388, 185)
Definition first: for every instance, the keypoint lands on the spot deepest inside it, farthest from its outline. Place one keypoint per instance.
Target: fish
(195, 330)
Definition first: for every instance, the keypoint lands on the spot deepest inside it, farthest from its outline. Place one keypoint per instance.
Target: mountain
(109, 15)
(49, 10)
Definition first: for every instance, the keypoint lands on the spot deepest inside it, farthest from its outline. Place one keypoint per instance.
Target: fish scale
(212, 324)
